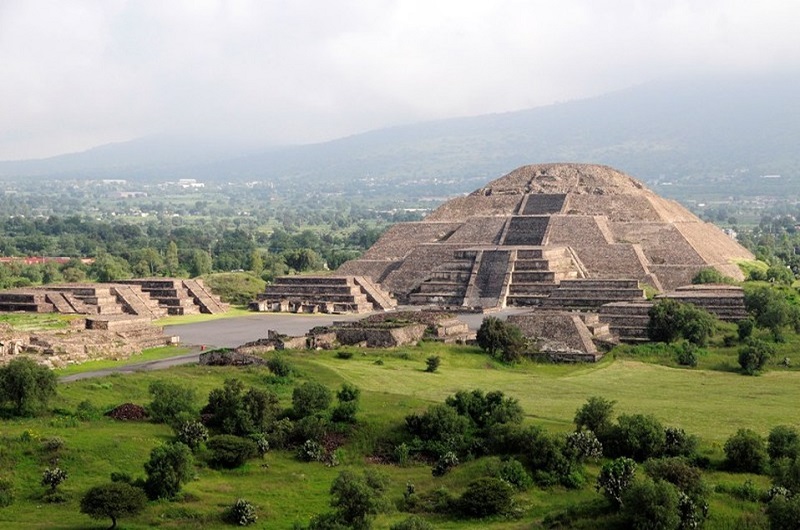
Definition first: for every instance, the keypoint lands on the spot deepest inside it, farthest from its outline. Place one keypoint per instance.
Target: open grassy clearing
(37, 321)
(710, 404)
(234, 311)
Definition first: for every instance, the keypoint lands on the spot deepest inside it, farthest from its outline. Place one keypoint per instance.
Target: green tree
(236, 411)
(171, 403)
(171, 260)
(753, 355)
(114, 501)
(310, 398)
(615, 478)
(595, 415)
(356, 498)
(649, 504)
(199, 263)
(486, 496)
(256, 263)
(745, 451)
(783, 442)
(26, 386)
(228, 451)
(501, 339)
(783, 512)
(768, 307)
(671, 320)
(170, 466)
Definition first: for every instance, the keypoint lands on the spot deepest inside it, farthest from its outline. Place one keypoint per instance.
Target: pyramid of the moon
(542, 230)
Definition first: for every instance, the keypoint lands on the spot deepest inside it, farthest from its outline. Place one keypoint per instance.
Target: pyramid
(543, 233)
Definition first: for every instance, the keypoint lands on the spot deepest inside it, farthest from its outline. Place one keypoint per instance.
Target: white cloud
(80, 73)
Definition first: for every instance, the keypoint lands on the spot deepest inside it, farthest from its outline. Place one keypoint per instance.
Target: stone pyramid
(543, 230)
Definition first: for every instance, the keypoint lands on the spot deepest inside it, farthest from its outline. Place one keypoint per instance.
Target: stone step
(532, 288)
(596, 294)
(591, 283)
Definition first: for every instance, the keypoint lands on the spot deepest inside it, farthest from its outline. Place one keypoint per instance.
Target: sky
(82, 73)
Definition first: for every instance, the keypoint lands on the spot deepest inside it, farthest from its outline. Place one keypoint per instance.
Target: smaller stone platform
(323, 294)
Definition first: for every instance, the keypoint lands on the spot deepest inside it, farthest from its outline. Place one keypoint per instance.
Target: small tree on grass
(170, 466)
(228, 451)
(345, 411)
(355, 499)
(192, 433)
(616, 477)
(595, 415)
(114, 501)
(241, 513)
(52, 478)
(671, 320)
(432, 363)
(501, 340)
(651, 504)
(486, 496)
(26, 386)
(753, 356)
(310, 398)
(171, 403)
(745, 451)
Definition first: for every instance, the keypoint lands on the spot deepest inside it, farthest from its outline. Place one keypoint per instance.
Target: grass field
(712, 404)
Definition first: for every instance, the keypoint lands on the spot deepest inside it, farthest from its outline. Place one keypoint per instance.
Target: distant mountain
(699, 127)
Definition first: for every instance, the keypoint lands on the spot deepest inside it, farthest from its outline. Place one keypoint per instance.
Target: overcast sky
(76, 74)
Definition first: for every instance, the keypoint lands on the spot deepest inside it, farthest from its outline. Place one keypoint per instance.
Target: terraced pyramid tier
(514, 240)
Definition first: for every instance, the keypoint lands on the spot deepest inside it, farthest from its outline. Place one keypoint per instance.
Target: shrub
(432, 363)
(501, 340)
(768, 307)
(711, 275)
(280, 433)
(651, 504)
(6, 493)
(113, 500)
(678, 472)
(671, 320)
(745, 451)
(192, 433)
(241, 513)
(754, 355)
(513, 472)
(52, 478)
(486, 496)
(279, 366)
(783, 442)
(53, 444)
(615, 477)
(262, 443)
(310, 398)
(228, 451)
(344, 354)
(356, 498)
(311, 451)
(86, 411)
(446, 462)
(234, 411)
(595, 415)
(169, 467)
(583, 445)
(171, 403)
(678, 443)
(348, 393)
(345, 412)
(784, 512)
(786, 473)
(441, 429)
(744, 328)
(637, 436)
(686, 354)
(26, 386)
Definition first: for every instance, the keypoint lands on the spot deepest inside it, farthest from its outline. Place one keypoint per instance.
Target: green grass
(712, 404)
(151, 354)
(37, 321)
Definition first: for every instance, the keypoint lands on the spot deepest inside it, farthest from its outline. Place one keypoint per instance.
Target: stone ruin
(552, 237)
(117, 317)
(323, 294)
(382, 330)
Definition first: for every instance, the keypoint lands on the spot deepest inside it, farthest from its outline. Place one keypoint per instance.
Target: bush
(486, 496)
(432, 363)
(745, 451)
(637, 436)
(768, 307)
(52, 478)
(615, 478)
(678, 472)
(671, 320)
(86, 411)
(754, 355)
(441, 429)
(744, 328)
(595, 415)
(356, 498)
(279, 366)
(783, 442)
(786, 473)
(171, 403)
(344, 354)
(446, 462)
(26, 386)
(192, 433)
(345, 411)
(501, 340)
(6, 493)
(169, 467)
(686, 354)
(228, 451)
(678, 443)
(241, 513)
(113, 500)
(513, 472)
(711, 275)
(583, 445)
(234, 411)
(486, 410)
(651, 504)
(310, 398)
(784, 513)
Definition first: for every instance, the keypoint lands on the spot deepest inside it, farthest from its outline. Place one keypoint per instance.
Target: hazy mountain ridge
(709, 126)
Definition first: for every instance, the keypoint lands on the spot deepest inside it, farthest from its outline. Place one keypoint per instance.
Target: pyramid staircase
(537, 272)
(447, 284)
(323, 294)
(207, 301)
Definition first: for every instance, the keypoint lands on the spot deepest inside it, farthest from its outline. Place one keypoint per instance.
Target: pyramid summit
(541, 232)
